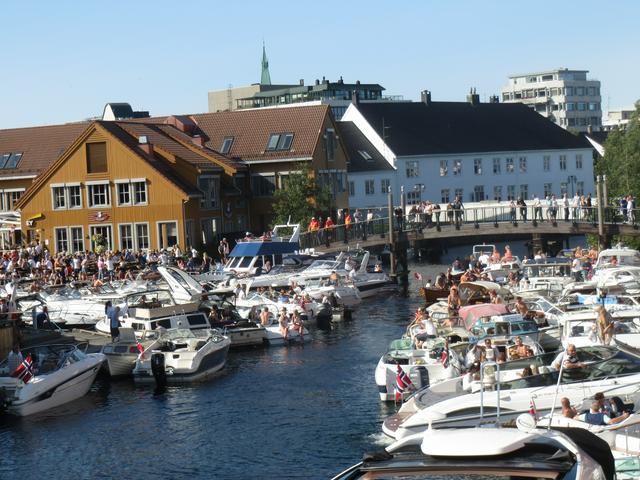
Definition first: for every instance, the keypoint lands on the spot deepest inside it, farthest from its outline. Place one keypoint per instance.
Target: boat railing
(495, 374)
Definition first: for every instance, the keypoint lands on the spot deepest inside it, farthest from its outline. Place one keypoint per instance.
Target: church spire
(265, 78)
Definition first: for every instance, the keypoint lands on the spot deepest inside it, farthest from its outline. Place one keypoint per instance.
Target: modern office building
(618, 119)
(564, 96)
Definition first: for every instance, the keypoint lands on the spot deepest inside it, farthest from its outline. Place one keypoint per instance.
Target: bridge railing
(453, 219)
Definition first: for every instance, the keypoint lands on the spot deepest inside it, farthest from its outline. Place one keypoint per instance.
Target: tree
(621, 162)
(301, 198)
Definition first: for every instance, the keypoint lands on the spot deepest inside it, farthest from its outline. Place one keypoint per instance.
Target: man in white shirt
(575, 207)
(537, 208)
(565, 206)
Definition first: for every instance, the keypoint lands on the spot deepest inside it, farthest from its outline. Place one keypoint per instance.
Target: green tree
(301, 198)
(621, 162)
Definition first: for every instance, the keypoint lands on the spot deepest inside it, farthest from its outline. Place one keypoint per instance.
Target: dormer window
(227, 143)
(280, 141)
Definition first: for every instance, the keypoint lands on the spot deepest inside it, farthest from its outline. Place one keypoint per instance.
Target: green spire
(265, 78)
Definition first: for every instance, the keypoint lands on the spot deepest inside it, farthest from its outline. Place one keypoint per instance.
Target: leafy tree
(301, 198)
(621, 162)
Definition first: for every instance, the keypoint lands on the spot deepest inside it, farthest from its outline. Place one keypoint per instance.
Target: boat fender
(158, 370)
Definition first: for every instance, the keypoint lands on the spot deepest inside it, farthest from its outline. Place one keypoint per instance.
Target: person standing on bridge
(458, 208)
(523, 209)
(537, 208)
(565, 207)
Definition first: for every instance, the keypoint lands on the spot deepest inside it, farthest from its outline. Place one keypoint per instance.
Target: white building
(478, 151)
(565, 96)
(618, 119)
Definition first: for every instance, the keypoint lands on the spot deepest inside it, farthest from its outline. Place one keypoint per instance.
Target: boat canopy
(254, 249)
(470, 314)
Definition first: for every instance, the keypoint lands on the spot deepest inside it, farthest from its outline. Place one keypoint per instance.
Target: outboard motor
(324, 316)
(420, 377)
(157, 369)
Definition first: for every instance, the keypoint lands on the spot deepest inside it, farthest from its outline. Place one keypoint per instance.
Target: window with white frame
(445, 195)
(74, 195)
(413, 168)
(497, 193)
(444, 168)
(209, 186)
(523, 164)
(511, 192)
(131, 192)
(77, 239)
(352, 188)
(126, 236)
(139, 192)
(59, 197)
(98, 195)
(62, 239)
(477, 166)
(563, 162)
(578, 161)
(142, 236)
(508, 164)
(66, 196)
(124, 193)
(369, 188)
(546, 163)
(457, 167)
(497, 167)
(385, 183)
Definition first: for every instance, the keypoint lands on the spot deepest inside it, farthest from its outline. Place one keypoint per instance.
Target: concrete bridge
(482, 223)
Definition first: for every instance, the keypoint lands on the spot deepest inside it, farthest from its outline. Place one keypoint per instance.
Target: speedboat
(243, 332)
(495, 322)
(618, 256)
(483, 253)
(182, 355)
(483, 453)
(121, 355)
(546, 276)
(510, 393)
(52, 376)
(499, 272)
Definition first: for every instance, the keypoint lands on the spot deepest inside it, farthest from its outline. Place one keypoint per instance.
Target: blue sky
(63, 60)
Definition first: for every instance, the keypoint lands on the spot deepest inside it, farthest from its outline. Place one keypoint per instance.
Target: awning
(37, 216)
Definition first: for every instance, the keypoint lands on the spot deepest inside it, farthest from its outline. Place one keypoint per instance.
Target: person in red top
(348, 220)
(328, 227)
(314, 225)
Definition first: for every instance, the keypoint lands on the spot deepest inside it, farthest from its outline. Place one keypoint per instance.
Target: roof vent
(143, 140)
(473, 98)
(425, 97)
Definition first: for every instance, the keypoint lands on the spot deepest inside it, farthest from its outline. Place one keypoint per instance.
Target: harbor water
(292, 412)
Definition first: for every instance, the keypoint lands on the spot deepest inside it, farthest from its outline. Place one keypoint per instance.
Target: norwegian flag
(418, 276)
(139, 347)
(402, 383)
(25, 370)
(532, 409)
(444, 357)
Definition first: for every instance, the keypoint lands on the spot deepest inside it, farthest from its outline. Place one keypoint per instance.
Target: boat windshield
(547, 270)
(49, 358)
(323, 265)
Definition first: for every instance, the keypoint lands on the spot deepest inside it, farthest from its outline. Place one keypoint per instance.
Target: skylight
(10, 160)
(364, 154)
(226, 145)
(280, 141)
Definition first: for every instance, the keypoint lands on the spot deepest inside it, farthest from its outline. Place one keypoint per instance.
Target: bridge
(471, 223)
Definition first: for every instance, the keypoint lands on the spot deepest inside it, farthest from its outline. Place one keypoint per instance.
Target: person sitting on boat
(522, 308)
(605, 405)
(596, 417)
(567, 410)
(521, 350)
(267, 266)
(488, 347)
(427, 330)
(526, 372)
(214, 316)
(283, 322)
(441, 281)
(568, 359)
(333, 278)
(264, 317)
(605, 325)
(473, 374)
(377, 268)
(508, 256)
(494, 298)
(453, 301)
(14, 359)
(296, 324)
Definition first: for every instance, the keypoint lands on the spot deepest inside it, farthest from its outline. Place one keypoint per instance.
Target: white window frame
(55, 238)
(54, 187)
(81, 227)
(563, 163)
(133, 191)
(133, 236)
(477, 166)
(102, 225)
(497, 166)
(370, 187)
(509, 165)
(444, 168)
(90, 186)
(68, 187)
(119, 184)
(205, 201)
(522, 164)
(457, 168)
(137, 237)
(159, 232)
(546, 163)
(130, 182)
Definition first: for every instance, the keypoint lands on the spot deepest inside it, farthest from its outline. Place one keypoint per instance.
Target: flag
(444, 357)
(139, 347)
(402, 383)
(25, 370)
(532, 409)
(418, 276)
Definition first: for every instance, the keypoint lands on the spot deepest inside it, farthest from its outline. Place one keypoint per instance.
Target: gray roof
(359, 149)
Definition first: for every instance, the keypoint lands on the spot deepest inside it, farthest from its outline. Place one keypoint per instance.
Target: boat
(243, 332)
(499, 271)
(182, 355)
(494, 321)
(61, 374)
(483, 253)
(510, 395)
(546, 276)
(483, 453)
(121, 355)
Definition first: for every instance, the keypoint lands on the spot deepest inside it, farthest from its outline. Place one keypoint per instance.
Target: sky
(62, 60)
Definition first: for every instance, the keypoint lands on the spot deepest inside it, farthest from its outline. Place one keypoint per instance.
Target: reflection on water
(305, 411)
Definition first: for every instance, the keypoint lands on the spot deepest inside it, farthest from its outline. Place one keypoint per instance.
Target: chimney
(425, 96)
(340, 81)
(198, 140)
(357, 82)
(317, 82)
(473, 98)
(302, 82)
(494, 99)
(143, 143)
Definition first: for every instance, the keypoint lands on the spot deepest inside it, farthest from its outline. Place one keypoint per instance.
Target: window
(142, 236)
(369, 188)
(3, 159)
(570, 106)
(10, 160)
(126, 237)
(457, 167)
(578, 161)
(279, 141)
(226, 145)
(524, 191)
(131, 192)
(497, 193)
(167, 234)
(511, 192)
(352, 188)
(139, 192)
(477, 166)
(523, 164)
(548, 189)
(496, 166)
(546, 163)
(77, 239)
(263, 185)
(385, 183)
(413, 198)
(413, 169)
(444, 195)
(59, 198)
(459, 193)
(563, 162)
(365, 155)
(444, 168)
(330, 143)
(209, 186)
(75, 197)
(563, 188)
(62, 240)
(582, 106)
(98, 195)
(580, 188)
(96, 157)
(124, 194)
(104, 231)
(509, 165)
(579, 91)
(478, 193)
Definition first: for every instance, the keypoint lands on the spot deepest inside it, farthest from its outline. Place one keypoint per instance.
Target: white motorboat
(580, 328)
(488, 453)
(499, 271)
(243, 332)
(273, 334)
(483, 253)
(343, 294)
(182, 355)
(546, 276)
(60, 374)
(121, 355)
(605, 368)
(618, 256)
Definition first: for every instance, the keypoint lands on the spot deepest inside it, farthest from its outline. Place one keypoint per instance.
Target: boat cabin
(618, 257)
